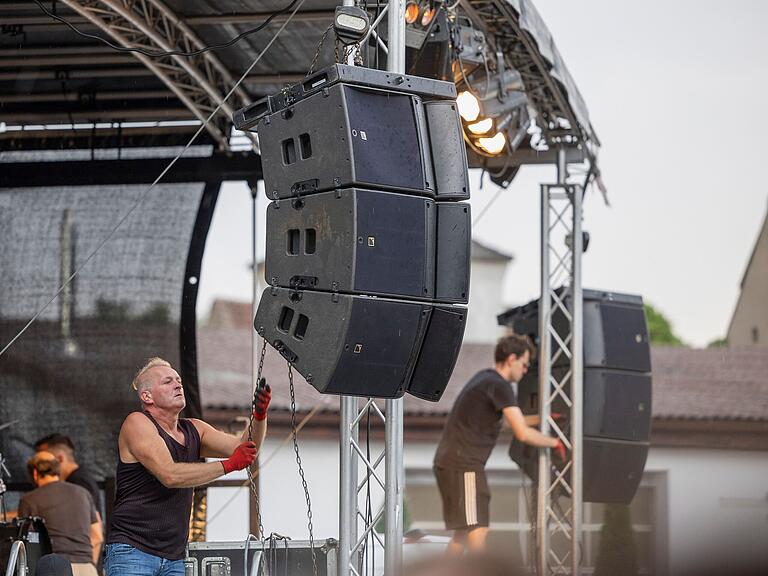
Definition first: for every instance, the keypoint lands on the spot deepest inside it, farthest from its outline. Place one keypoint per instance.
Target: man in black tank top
(158, 466)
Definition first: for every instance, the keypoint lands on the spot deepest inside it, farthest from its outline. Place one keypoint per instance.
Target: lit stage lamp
(469, 106)
(494, 145)
(427, 15)
(481, 127)
(411, 12)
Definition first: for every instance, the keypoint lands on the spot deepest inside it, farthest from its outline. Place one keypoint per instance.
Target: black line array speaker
(362, 346)
(616, 386)
(359, 241)
(368, 245)
(366, 136)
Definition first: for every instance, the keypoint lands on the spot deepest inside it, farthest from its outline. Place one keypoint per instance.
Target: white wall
(485, 289)
(717, 505)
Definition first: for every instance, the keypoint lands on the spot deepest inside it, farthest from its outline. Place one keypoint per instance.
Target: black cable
(172, 52)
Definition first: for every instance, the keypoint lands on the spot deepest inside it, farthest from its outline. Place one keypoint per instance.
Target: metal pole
(349, 432)
(545, 367)
(577, 396)
(253, 510)
(347, 484)
(395, 477)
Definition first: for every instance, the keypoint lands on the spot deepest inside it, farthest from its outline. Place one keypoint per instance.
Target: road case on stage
(265, 557)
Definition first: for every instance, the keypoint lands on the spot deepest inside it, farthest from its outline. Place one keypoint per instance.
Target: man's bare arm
(140, 442)
(217, 444)
(97, 537)
(524, 433)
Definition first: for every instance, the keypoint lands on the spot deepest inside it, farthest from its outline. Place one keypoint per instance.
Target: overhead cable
(151, 187)
(160, 54)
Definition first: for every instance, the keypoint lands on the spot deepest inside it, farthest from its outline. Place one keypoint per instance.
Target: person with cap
(158, 466)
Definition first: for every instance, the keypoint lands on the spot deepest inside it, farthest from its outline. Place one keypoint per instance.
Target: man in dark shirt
(68, 511)
(63, 448)
(159, 464)
(469, 436)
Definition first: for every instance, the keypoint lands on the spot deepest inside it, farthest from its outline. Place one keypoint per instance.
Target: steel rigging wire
(151, 187)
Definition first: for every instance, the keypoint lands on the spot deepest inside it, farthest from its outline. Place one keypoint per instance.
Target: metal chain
(301, 469)
(251, 477)
(319, 48)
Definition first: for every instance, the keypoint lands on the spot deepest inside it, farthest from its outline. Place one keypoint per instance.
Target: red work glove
(242, 457)
(559, 450)
(263, 398)
(557, 416)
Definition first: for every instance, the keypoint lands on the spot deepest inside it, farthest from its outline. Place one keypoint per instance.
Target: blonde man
(69, 513)
(158, 467)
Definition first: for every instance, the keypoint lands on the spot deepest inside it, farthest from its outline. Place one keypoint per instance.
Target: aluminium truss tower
(356, 525)
(559, 495)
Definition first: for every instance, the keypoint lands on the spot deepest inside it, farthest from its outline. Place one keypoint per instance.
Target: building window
(513, 504)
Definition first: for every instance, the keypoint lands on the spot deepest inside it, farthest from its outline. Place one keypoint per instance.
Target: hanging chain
(301, 469)
(319, 49)
(251, 477)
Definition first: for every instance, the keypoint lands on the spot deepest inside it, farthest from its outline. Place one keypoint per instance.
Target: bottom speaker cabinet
(363, 346)
(612, 468)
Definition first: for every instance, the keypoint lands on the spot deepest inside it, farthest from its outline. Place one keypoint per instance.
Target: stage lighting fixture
(481, 127)
(427, 16)
(411, 12)
(469, 106)
(351, 24)
(493, 145)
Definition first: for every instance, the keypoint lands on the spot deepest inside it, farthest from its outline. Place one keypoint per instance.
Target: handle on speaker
(285, 352)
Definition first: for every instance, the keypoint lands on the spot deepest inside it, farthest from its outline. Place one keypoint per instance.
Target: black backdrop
(71, 371)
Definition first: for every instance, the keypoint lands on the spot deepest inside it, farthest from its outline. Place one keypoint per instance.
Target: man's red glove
(242, 457)
(263, 398)
(559, 450)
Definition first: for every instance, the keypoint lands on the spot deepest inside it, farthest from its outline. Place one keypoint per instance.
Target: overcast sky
(676, 92)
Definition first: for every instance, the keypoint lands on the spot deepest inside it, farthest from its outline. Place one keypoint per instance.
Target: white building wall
(485, 289)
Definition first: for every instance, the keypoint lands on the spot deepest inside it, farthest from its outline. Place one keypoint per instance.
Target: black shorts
(465, 497)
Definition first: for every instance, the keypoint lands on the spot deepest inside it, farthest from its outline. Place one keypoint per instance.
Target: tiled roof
(713, 383)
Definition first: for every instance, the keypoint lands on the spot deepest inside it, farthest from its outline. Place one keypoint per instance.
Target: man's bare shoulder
(136, 422)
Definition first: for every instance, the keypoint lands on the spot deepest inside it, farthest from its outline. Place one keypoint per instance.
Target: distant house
(749, 323)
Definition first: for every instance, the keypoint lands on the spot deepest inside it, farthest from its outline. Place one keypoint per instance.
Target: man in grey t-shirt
(69, 513)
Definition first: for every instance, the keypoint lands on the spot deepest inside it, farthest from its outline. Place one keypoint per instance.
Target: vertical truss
(363, 482)
(559, 502)
(358, 538)
(199, 82)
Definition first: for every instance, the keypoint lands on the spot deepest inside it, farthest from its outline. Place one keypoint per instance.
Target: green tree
(659, 328)
(617, 555)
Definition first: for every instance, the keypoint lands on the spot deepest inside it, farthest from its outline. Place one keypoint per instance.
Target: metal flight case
(265, 557)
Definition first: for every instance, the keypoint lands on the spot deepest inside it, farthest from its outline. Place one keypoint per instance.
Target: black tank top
(147, 515)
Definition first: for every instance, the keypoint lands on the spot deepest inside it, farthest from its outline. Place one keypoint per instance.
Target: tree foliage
(617, 555)
(659, 328)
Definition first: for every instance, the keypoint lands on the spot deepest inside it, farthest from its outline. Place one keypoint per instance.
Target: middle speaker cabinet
(368, 242)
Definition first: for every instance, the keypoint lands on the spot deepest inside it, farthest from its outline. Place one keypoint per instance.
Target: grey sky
(676, 92)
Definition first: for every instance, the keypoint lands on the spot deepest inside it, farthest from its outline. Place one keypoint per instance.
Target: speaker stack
(616, 387)
(368, 242)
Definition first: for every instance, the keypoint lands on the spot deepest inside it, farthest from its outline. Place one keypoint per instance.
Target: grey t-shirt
(474, 423)
(68, 512)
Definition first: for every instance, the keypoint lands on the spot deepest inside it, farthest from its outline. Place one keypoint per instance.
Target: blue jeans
(125, 560)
